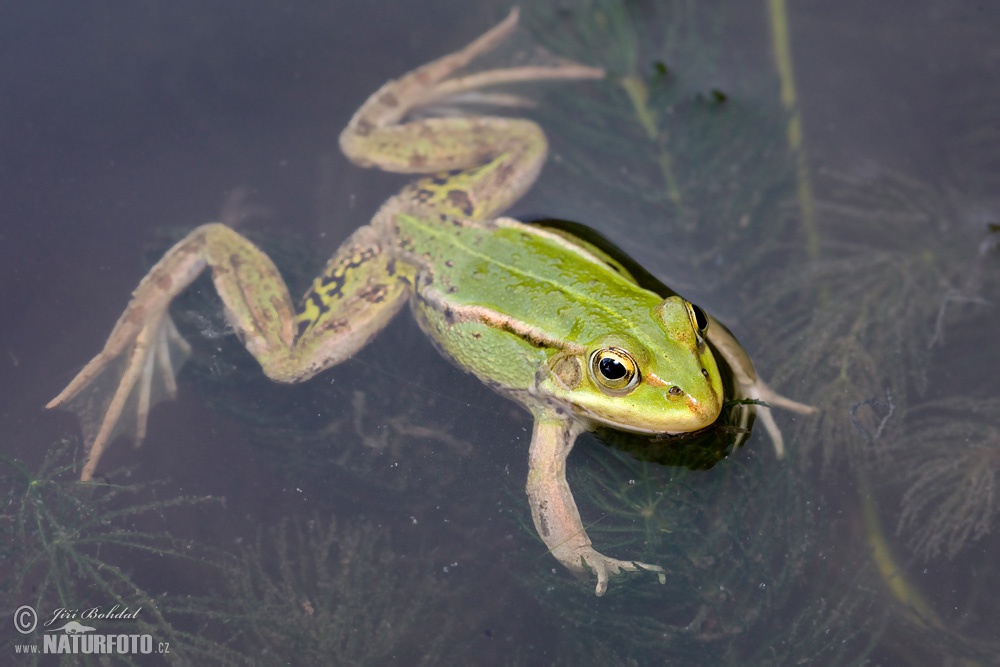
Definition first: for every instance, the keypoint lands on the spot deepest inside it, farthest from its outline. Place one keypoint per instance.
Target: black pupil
(612, 369)
(700, 318)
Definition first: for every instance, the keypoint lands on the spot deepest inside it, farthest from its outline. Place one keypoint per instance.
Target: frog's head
(663, 380)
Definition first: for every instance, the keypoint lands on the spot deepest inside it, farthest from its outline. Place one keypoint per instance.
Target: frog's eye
(698, 318)
(614, 370)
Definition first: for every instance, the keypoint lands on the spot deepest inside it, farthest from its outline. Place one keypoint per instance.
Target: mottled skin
(541, 316)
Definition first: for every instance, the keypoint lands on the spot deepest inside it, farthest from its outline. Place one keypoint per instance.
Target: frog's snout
(706, 410)
(703, 407)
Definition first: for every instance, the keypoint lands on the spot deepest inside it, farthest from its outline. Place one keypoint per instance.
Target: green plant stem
(781, 41)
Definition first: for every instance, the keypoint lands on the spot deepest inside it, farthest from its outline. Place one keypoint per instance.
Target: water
(124, 127)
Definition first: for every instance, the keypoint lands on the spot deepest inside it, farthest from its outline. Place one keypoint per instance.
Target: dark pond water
(376, 514)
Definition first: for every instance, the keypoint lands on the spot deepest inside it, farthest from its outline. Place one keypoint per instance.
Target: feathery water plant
(737, 545)
(326, 593)
(67, 542)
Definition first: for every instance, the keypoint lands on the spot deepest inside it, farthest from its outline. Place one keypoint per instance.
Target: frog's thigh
(478, 166)
(359, 291)
(354, 297)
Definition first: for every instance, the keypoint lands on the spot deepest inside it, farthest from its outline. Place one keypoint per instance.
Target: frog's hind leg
(429, 84)
(353, 299)
(361, 288)
(478, 165)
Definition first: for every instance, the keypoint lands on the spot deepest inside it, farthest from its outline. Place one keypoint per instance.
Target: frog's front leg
(358, 292)
(554, 511)
(752, 387)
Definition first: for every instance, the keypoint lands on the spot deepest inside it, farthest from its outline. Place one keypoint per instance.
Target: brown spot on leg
(388, 100)
(375, 293)
(460, 199)
(503, 173)
(332, 325)
(543, 524)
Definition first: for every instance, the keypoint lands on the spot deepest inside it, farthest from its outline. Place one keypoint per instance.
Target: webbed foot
(604, 566)
(116, 390)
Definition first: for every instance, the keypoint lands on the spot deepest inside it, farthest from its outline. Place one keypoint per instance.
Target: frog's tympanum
(540, 315)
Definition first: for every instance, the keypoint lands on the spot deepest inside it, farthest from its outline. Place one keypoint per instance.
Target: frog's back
(529, 275)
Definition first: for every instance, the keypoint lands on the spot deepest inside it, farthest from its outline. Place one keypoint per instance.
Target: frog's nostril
(675, 391)
(705, 373)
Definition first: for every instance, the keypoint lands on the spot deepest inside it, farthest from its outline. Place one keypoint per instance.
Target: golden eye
(698, 318)
(614, 370)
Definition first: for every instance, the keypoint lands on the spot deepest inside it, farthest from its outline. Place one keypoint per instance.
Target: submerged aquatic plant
(326, 594)
(938, 482)
(948, 459)
(738, 547)
(856, 328)
(680, 159)
(66, 545)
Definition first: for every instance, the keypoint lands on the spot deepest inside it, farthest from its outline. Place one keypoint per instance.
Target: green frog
(541, 316)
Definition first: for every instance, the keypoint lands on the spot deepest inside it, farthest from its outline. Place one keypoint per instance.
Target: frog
(539, 315)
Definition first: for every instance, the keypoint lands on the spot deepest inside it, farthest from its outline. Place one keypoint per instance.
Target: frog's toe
(776, 400)
(773, 399)
(661, 574)
(469, 89)
(454, 105)
(115, 392)
(604, 566)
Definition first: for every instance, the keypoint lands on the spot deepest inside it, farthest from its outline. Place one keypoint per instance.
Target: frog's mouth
(695, 423)
(630, 428)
